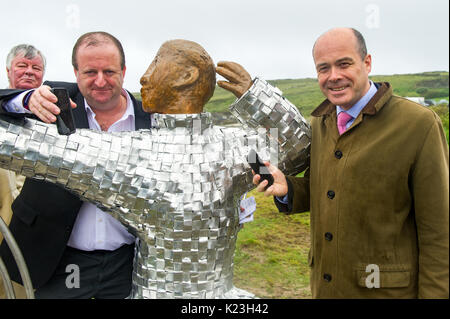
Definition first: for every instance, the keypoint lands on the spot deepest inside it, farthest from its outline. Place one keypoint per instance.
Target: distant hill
(306, 95)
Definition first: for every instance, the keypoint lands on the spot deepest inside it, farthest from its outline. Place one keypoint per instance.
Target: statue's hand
(239, 79)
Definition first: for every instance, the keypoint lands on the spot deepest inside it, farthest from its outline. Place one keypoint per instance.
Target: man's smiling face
(341, 71)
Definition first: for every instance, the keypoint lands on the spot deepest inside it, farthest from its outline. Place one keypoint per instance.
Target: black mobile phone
(259, 168)
(64, 120)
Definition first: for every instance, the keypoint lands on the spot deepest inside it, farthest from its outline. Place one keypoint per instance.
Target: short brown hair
(362, 49)
(94, 39)
(360, 43)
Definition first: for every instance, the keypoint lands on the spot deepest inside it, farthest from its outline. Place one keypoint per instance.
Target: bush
(438, 83)
(436, 93)
(442, 111)
(422, 90)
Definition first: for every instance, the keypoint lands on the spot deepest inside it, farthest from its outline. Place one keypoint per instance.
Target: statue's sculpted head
(180, 80)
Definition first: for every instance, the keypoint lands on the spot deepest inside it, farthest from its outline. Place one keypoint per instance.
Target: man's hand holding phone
(64, 120)
(42, 103)
(267, 177)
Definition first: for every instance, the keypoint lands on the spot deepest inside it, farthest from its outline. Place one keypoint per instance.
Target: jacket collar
(141, 118)
(380, 98)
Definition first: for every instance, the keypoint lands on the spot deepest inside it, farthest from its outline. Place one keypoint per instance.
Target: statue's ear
(188, 76)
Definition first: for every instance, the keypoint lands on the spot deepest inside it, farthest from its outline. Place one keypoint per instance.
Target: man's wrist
(283, 200)
(16, 103)
(26, 99)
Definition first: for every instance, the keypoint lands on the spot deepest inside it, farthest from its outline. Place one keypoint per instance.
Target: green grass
(442, 111)
(271, 258)
(428, 84)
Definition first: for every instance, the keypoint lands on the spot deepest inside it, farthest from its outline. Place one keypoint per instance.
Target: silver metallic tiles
(176, 187)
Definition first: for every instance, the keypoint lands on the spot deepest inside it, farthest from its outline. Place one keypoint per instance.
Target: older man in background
(25, 68)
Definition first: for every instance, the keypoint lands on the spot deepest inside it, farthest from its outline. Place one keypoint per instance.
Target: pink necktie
(342, 121)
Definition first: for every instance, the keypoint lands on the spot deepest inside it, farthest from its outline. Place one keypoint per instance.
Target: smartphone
(259, 168)
(64, 120)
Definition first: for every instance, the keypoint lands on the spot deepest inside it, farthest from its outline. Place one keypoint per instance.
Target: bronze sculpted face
(180, 79)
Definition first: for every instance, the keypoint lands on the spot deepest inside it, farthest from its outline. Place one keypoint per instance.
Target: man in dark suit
(73, 249)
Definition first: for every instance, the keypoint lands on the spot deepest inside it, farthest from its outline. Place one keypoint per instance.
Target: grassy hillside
(306, 95)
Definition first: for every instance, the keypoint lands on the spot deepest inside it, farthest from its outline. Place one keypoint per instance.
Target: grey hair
(28, 52)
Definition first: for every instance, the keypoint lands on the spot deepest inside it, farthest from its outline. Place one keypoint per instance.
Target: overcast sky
(272, 39)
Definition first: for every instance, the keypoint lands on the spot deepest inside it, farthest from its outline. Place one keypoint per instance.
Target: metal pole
(7, 283)
(18, 257)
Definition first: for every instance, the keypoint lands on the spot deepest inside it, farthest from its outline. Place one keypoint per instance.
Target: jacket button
(338, 154)
(329, 236)
(327, 277)
(331, 194)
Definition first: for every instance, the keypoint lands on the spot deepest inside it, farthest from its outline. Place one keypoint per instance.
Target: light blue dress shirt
(357, 108)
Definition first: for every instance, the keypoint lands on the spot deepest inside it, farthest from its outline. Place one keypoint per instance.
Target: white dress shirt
(94, 229)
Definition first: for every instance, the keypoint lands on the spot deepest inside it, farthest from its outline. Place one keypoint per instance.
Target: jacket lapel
(327, 110)
(79, 113)
(142, 119)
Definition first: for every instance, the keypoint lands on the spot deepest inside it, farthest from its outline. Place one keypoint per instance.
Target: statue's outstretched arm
(108, 169)
(266, 113)
(124, 171)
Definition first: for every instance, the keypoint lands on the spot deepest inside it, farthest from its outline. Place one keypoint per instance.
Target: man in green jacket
(377, 187)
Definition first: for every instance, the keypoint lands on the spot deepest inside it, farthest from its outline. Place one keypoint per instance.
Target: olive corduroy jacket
(379, 202)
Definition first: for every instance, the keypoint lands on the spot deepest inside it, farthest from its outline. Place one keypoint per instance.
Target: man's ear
(368, 63)
(7, 75)
(189, 76)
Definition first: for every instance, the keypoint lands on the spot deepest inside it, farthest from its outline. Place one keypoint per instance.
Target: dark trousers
(98, 274)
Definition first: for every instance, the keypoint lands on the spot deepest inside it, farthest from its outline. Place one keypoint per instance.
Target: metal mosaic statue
(177, 186)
